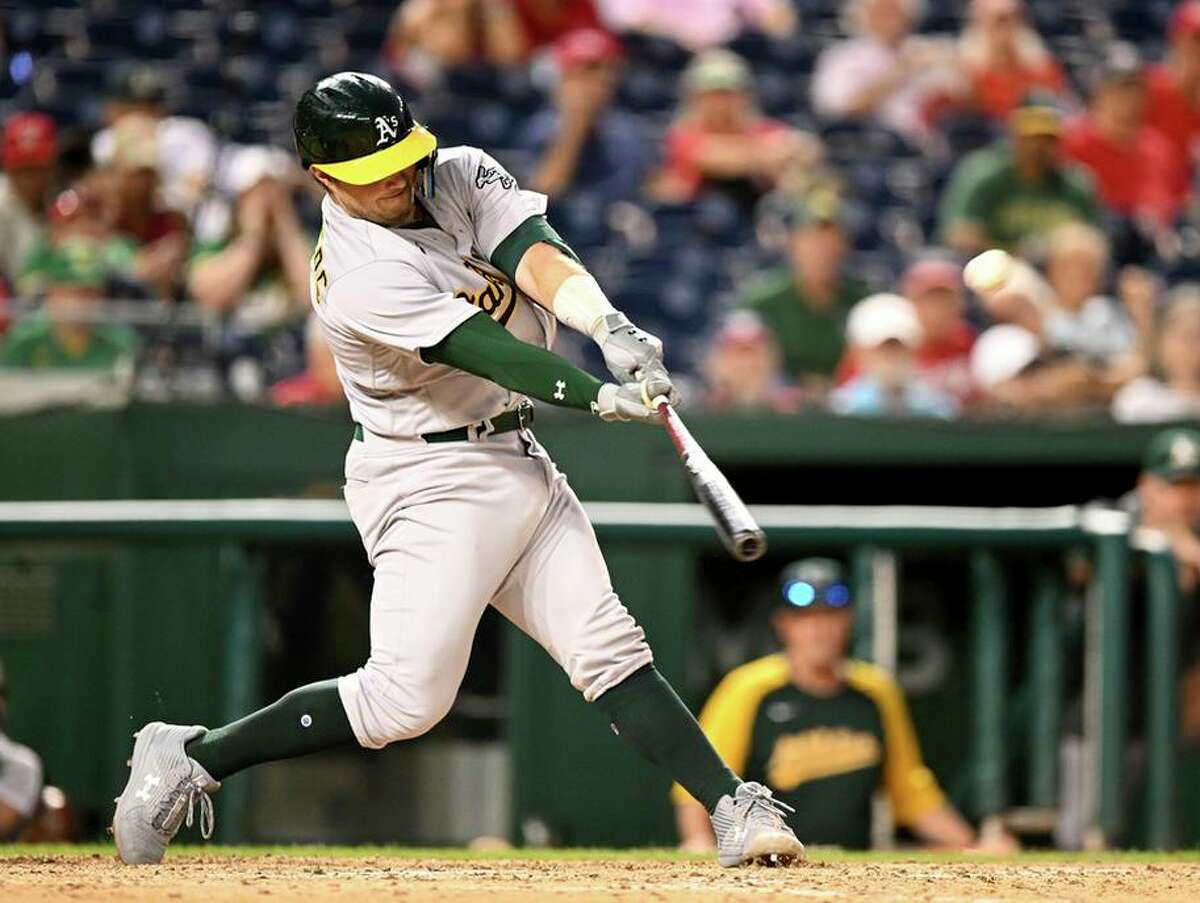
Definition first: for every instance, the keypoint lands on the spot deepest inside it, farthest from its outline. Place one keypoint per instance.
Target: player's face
(816, 639)
(818, 251)
(391, 201)
(1036, 154)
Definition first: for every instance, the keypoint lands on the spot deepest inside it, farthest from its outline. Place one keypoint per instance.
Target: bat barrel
(735, 525)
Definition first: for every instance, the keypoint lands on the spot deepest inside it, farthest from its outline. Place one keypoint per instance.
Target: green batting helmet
(356, 128)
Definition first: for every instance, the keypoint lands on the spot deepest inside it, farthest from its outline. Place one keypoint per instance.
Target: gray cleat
(164, 784)
(750, 828)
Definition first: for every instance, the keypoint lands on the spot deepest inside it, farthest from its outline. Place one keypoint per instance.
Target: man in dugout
(823, 731)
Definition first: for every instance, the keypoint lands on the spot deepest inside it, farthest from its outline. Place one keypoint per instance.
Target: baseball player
(439, 285)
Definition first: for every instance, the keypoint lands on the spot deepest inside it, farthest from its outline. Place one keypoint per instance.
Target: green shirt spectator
(64, 335)
(811, 334)
(805, 304)
(1001, 195)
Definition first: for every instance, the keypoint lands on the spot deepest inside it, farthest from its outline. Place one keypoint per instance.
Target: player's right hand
(635, 400)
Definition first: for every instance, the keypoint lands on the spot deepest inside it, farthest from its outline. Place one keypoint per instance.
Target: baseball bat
(739, 532)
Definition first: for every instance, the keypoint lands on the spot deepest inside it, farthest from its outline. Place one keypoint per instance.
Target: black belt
(519, 418)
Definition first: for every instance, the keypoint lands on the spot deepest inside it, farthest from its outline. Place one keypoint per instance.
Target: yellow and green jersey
(822, 755)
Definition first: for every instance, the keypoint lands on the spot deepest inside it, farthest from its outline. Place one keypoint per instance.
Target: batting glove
(634, 401)
(627, 350)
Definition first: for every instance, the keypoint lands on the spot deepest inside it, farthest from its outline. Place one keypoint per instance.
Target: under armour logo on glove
(560, 390)
(388, 127)
(488, 174)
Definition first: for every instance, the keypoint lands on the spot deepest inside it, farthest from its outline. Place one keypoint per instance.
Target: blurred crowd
(786, 190)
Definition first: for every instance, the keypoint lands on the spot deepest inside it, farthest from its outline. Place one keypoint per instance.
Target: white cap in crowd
(882, 318)
(1001, 353)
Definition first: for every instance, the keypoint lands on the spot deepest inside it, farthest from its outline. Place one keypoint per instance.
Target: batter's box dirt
(216, 876)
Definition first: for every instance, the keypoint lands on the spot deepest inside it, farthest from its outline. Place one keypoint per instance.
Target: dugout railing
(874, 538)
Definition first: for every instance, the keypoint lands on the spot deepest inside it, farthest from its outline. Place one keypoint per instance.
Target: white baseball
(988, 271)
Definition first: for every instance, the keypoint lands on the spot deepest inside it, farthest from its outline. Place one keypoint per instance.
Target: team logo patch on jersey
(388, 128)
(820, 752)
(497, 298)
(485, 175)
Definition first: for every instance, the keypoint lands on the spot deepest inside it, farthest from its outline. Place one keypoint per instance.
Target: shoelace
(208, 817)
(762, 805)
(171, 809)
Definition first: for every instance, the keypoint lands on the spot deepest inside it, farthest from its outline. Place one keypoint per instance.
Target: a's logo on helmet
(388, 127)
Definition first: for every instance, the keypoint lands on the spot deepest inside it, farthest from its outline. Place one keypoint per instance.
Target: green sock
(306, 720)
(646, 711)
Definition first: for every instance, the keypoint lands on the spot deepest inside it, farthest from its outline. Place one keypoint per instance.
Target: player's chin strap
(428, 165)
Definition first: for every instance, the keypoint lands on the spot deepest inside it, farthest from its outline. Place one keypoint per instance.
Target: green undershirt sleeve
(485, 348)
(510, 251)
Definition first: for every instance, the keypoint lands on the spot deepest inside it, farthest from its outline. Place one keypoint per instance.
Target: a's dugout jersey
(822, 755)
(382, 294)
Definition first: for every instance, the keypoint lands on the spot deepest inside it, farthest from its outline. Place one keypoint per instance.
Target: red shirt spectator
(1005, 59)
(1133, 163)
(1134, 179)
(545, 21)
(1176, 116)
(131, 183)
(934, 286)
(721, 140)
(1173, 92)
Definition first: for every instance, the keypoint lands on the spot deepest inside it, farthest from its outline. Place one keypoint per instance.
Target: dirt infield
(213, 878)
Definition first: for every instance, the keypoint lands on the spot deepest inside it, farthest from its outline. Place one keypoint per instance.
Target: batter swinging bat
(736, 526)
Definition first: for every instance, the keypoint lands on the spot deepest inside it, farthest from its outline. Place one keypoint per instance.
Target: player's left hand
(628, 351)
(634, 401)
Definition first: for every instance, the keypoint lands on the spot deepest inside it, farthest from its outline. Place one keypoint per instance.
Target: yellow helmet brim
(416, 146)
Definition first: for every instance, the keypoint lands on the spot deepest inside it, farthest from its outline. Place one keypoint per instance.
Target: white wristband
(580, 303)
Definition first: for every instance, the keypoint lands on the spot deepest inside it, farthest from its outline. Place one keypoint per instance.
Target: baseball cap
(30, 139)
(817, 207)
(1185, 20)
(1122, 63)
(882, 318)
(1174, 455)
(742, 327)
(1001, 353)
(813, 583)
(136, 83)
(1038, 114)
(716, 70)
(251, 164)
(585, 46)
(928, 273)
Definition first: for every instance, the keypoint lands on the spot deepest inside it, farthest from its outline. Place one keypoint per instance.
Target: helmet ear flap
(428, 165)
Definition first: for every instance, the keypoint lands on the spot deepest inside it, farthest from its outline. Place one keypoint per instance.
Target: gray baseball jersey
(452, 527)
(382, 294)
